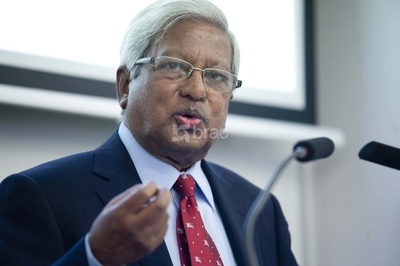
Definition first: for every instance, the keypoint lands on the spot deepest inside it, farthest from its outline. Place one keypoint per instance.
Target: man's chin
(189, 149)
(189, 140)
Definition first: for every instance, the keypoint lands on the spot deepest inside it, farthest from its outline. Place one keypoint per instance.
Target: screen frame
(308, 114)
(47, 80)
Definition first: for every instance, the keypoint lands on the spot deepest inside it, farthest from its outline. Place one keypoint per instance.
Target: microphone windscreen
(381, 154)
(317, 148)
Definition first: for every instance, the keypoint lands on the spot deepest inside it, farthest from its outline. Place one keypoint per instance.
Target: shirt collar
(150, 168)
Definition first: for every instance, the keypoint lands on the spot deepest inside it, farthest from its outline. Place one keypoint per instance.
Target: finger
(156, 211)
(156, 232)
(152, 223)
(134, 200)
(161, 200)
(128, 191)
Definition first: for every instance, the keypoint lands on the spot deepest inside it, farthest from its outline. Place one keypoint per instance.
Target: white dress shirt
(164, 175)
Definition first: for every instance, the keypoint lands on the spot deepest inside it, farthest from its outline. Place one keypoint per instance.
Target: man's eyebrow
(210, 63)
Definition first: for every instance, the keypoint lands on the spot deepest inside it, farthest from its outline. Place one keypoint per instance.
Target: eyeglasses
(178, 69)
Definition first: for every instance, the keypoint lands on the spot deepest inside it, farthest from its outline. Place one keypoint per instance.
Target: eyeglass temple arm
(146, 60)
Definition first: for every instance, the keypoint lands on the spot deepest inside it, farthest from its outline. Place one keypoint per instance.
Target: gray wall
(356, 204)
(31, 136)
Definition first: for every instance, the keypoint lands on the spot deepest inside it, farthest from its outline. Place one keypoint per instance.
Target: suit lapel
(232, 207)
(113, 163)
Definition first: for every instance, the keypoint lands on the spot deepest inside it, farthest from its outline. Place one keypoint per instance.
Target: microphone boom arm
(303, 151)
(260, 202)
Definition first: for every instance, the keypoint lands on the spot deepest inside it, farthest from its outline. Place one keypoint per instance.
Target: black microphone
(314, 149)
(303, 151)
(381, 154)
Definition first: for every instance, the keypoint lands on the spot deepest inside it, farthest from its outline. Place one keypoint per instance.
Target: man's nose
(194, 86)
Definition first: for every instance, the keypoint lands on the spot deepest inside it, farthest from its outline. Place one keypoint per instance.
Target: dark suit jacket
(46, 211)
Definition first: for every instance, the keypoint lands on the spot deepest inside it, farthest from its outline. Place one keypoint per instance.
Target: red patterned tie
(195, 244)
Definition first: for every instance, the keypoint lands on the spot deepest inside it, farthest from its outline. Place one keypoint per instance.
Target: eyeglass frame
(153, 61)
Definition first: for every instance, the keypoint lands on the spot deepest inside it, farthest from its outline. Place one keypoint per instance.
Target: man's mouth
(190, 118)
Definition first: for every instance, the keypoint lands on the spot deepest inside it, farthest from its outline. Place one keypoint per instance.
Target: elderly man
(147, 196)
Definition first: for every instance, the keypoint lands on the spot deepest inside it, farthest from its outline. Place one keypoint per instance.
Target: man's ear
(122, 84)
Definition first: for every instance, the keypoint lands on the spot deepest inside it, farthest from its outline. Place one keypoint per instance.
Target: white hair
(150, 25)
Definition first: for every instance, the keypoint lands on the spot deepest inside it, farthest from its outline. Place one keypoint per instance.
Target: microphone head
(381, 154)
(314, 149)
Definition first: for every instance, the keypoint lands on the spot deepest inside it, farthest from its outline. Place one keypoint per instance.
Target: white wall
(356, 204)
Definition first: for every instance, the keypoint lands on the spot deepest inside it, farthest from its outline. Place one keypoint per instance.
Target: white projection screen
(73, 47)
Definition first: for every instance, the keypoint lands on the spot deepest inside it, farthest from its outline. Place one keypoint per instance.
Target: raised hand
(132, 225)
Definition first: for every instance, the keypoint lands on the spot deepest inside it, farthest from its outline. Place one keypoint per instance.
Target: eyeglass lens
(175, 68)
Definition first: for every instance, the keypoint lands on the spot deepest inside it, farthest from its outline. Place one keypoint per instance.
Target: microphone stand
(260, 202)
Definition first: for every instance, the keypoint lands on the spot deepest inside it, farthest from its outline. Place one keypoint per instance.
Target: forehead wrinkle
(194, 47)
(211, 62)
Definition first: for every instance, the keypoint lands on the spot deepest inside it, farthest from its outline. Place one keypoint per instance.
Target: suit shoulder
(221, 170)
(229, 175)
(63, 165)
(226, 173)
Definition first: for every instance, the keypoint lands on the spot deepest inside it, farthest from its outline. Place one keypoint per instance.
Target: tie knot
(185, 185)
